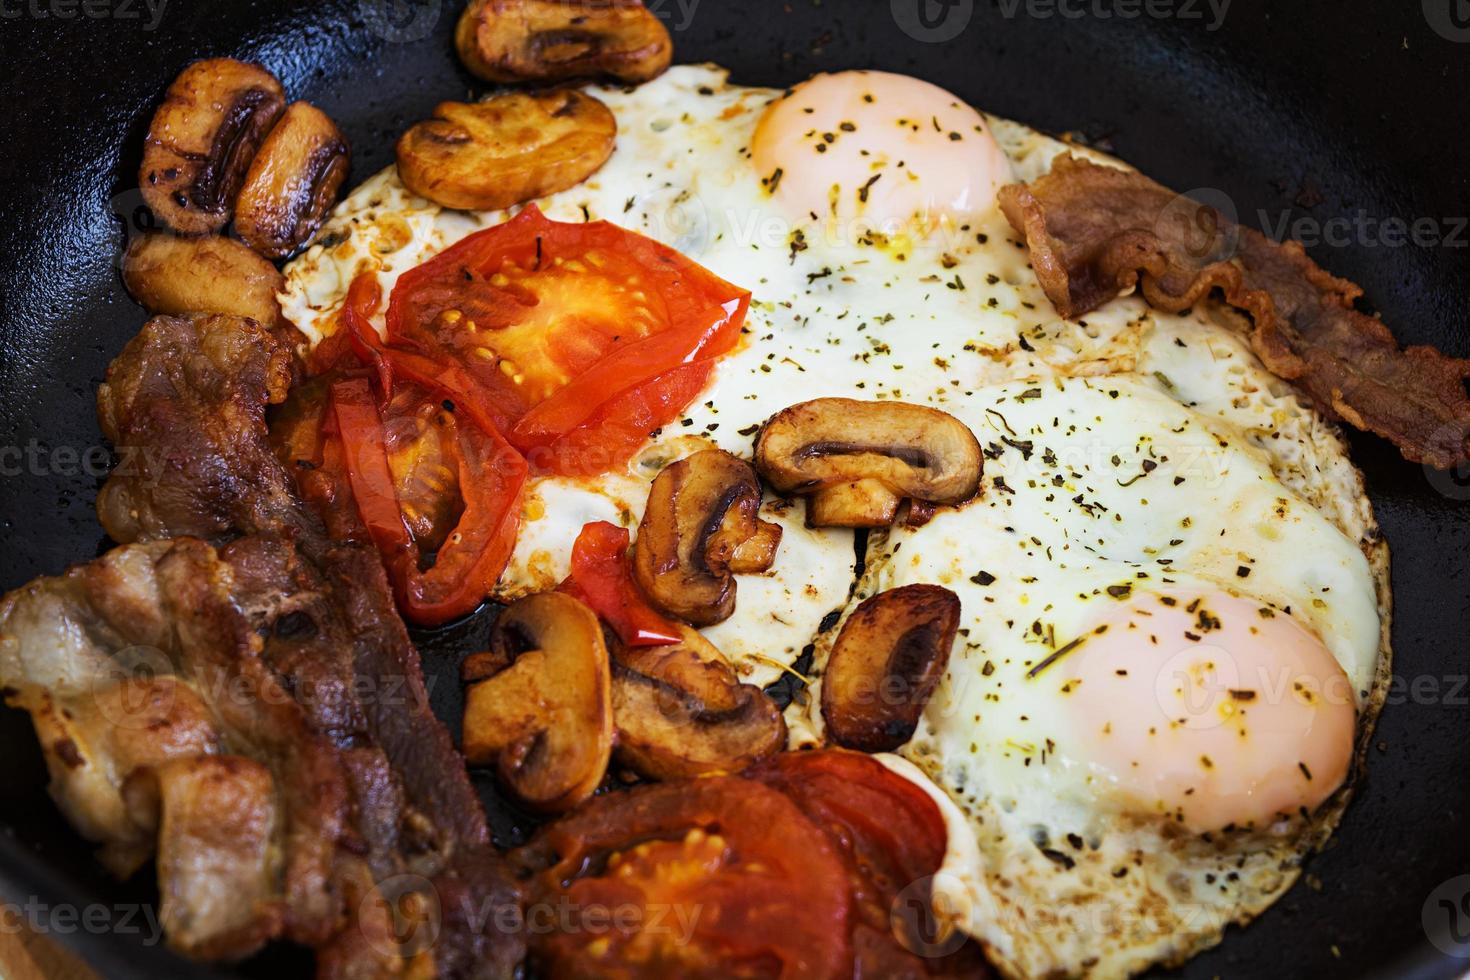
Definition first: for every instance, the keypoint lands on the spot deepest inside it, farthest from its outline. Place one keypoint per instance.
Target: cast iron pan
(1309, 110)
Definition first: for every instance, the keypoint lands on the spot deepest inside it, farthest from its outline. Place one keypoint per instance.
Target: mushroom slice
(694, 666)
(700, 520)
(490, 155)
(554, 40)
(886, 662)
(203, 138)
(174, 275)
(545, 720)
(860, 459)
(681, 711)
(757, 553)
(292, 182)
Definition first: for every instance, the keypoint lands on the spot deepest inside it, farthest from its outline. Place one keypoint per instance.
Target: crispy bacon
(132, 754)
(185, 405)
(1095, 231)
(295, 782)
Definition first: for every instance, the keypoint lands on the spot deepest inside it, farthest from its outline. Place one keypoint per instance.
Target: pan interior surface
(1313, 120)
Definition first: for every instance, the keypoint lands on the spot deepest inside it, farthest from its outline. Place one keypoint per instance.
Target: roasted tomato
(813, 864)
(470, 557)
(603, 334)
(413, 459)
(436, 494)
(488, 400)
(538, 344)
(892, 838)
(714, 877)
(602, 578)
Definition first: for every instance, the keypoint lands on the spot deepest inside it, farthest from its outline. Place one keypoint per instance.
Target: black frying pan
(1304, 109)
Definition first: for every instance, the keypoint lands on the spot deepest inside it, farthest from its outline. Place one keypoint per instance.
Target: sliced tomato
(577, 319)
(423, 443)
(303, 432)
(474, 554)
(601, 578)
(892, 838)
(612, 434)
(490, 401)
(714, 877)
(569, 343)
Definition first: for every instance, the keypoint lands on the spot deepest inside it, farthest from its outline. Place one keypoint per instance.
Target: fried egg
(1162, 658)
(1144, 478)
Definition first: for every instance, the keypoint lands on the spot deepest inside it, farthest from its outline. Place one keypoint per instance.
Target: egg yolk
(869, 151)
(1212, 709)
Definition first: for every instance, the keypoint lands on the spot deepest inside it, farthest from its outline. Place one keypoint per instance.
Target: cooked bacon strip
(185, 404)
(1095, 231)
(180, 404)
(127, 752)
(215, 828)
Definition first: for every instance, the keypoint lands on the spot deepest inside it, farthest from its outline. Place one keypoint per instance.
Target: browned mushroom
(701, 521)
(545, 718)
(554, 40)
(758, 552)
(859, 459)
(885, 664)
(512, 148)
(172, 274)
(202, 140)
(292, 182)
(681, 711)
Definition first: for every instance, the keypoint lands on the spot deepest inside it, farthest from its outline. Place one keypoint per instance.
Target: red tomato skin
(777, 907)
(600, 577)
(596, 420)
(893, 839)
(492, 477)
